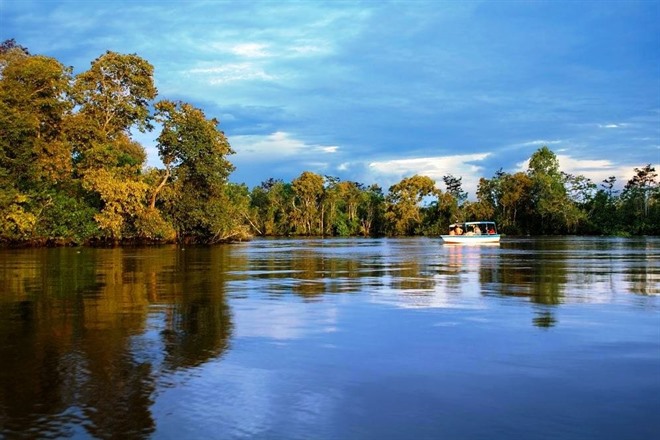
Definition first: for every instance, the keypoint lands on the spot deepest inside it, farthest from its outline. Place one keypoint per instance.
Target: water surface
(333, 339)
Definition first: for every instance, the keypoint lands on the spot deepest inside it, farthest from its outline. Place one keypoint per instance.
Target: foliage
(454, 187)
(640, 202)
(194, 151)
(403, 213)
(307, 215)
(72, 172)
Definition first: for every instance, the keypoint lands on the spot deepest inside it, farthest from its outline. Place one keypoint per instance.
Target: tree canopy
(72, 172)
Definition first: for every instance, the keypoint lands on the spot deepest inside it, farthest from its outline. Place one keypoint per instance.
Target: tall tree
(309, 191)
(271, 204)
(371, 211)
(195, 152)
(640, 202)
(550, 201)
(34, 157)
(33, 106)
(112, 98)
(115, 93)
(403, 215)
(454, 187)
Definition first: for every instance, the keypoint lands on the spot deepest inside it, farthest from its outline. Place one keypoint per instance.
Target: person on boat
(459, 231)
(452, 230)
(477, 230)
(491, 230)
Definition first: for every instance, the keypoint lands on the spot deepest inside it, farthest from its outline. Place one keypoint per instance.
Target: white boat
(472, 233)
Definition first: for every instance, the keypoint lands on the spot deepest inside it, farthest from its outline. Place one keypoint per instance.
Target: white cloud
(275, 146)
(250, 50)
(232, 72)
(595, 169)
(392, 171)
(538, 143)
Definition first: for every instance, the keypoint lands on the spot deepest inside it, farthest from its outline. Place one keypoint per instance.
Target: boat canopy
(471, 223)
(470, 228)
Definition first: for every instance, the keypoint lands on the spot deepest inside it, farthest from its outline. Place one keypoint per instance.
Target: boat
(472, 232)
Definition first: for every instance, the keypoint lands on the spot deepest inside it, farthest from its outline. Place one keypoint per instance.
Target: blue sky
(375, 91)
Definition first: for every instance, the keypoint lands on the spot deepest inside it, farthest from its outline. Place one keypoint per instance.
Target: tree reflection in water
(72, 352)
(91, 338)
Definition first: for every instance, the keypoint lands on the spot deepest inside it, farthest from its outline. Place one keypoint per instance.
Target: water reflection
(76, 344)
(92, 339)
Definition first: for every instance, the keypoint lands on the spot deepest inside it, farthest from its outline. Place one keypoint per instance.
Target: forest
(72, 173)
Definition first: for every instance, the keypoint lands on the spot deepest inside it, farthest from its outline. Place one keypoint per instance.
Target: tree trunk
(152, 203)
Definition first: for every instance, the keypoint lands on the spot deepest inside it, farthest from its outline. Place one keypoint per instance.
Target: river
(533, 338)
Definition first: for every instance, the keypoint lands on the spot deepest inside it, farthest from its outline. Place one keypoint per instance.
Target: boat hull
(471, 239)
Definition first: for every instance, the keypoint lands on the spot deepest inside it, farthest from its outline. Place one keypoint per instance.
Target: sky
(376, 91)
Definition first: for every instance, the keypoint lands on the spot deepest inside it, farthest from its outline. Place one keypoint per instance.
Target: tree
(608, 185)
(557, 213)
(351, 194)
(440, 213)
(271, 204)
(112, 97)
(115, 93)
(403, 212)
(580, 189)
(640, 200)
(32, 110)
(517, 204)
(342, 200)
(194, 152)
(308, 189)
(34, 157)
(11, 45)
(123, 201)
(332, 217)
(506, 197)
(454, 187)
(371, 211)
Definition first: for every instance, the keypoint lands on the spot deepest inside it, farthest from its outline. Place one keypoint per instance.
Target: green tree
(351, 194)
(271, 204)
(309, 191)
(454, 187)
(550, 202)
(123, 201)
(332, 215)
(32, 109)
(640, 202)
(371, 211)
(112, 98)
(34, 157)
(194, 152)
(403, 213)
(115, 93)
(506, 197)
(342, 200)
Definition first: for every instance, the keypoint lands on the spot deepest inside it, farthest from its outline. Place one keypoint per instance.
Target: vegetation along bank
(72, 173)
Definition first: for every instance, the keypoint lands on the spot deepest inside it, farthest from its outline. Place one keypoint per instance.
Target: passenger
(459, 231)
(477, 230)
(452, 231)
(491, 230)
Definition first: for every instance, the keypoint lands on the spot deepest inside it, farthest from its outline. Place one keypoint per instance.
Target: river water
(553, 338)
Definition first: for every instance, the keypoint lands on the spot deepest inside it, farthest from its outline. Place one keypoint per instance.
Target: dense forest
(71, 172)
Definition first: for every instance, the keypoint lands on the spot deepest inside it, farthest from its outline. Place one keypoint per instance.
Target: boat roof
(472, 223)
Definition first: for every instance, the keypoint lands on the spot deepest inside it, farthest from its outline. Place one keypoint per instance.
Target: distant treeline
(72, 173)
